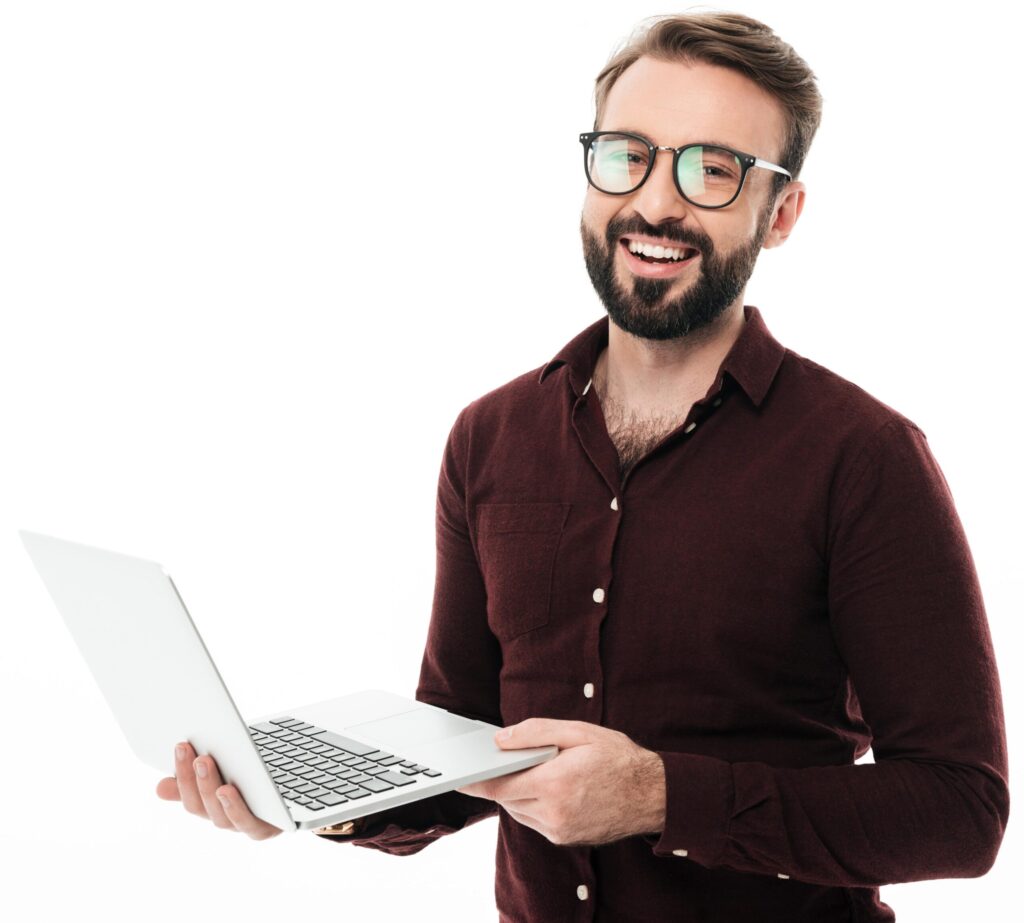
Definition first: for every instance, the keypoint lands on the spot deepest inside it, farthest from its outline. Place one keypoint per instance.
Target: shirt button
(582, 892)
(615, 503)
(716, 402)
(588, 690)
(680, 852)
(690, 428)
(599, 595)
(783, 876)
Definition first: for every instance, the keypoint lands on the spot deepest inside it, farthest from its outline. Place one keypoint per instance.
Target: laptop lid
(136, 635)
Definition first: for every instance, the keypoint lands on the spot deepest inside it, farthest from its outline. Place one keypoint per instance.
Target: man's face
(670, 103)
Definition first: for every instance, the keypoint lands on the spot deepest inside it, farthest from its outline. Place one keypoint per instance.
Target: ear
(785, 213)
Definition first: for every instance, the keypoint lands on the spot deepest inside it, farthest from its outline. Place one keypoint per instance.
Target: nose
(658, 199)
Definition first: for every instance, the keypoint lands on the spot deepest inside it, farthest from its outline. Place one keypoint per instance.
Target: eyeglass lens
(707, 175)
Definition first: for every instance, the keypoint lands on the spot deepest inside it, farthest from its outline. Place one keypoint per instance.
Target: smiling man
(712, 572)
(708, 569)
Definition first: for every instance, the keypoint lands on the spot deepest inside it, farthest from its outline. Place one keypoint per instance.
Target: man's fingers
(237, 811)
(208, 780)
(198, 785)
(168, 789)
(515, 786)
(186, 777)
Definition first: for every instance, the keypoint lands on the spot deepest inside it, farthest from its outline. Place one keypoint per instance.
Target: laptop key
(431, 772)
(333, 799)
(357, 793)
(266, 727)
(390, 761)
(344, 743)
(395, 778)
(375, 786)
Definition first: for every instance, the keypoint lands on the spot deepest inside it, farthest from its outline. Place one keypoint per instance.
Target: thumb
(543, 732)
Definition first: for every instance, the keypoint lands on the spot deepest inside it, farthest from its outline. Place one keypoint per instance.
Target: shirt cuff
(698, 804)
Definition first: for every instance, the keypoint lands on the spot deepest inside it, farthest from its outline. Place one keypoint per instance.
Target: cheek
(599, 210)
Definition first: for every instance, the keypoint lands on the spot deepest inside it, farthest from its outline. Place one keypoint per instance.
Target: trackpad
(414, 727)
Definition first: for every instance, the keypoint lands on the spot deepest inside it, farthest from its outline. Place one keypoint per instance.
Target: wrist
(653, 797)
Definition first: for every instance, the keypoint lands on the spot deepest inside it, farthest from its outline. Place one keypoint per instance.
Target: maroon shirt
(780, 584)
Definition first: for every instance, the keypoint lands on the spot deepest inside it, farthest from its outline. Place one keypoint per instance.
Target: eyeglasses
(706, 175)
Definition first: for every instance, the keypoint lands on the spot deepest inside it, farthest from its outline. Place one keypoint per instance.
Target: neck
(655, 373)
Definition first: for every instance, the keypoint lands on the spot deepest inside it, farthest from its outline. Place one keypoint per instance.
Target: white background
(247, 284)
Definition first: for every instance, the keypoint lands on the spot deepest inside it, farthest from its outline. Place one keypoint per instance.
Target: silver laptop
(310, 765)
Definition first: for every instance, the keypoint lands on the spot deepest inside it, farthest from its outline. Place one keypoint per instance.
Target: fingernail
(223, 799)
(506, 734)
(179, 753)
(200, 769)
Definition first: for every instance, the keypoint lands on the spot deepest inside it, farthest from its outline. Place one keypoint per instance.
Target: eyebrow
(709, 141)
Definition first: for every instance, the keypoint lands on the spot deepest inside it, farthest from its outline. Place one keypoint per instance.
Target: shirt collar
(752, 361)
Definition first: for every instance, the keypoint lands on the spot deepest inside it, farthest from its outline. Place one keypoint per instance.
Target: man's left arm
(909, 622)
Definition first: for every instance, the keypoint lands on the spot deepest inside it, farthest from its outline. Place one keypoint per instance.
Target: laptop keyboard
(319, 769)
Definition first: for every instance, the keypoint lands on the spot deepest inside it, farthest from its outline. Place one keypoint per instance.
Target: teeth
(658, 253)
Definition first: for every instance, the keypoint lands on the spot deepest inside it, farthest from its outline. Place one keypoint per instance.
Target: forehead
(674, 103)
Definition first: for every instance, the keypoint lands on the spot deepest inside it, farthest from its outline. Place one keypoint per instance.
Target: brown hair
(741, 44)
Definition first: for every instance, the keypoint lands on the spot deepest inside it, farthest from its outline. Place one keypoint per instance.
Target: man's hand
(600, 788)
(207, 796)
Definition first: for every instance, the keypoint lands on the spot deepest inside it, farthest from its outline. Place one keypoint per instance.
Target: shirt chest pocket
(517, 544)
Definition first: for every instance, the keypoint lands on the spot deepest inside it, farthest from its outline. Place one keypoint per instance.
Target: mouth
(657, 261)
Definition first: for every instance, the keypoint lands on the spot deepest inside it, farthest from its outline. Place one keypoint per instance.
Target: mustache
(673, 232)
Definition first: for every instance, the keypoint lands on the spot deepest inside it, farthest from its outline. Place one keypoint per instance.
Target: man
(709, 570)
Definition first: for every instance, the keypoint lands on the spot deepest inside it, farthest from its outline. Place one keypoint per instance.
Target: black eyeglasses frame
(747, 161)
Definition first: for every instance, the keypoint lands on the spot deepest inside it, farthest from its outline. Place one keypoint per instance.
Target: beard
(640, 310)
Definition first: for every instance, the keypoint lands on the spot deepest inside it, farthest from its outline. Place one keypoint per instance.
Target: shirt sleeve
(908, 619)
(460, 668)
